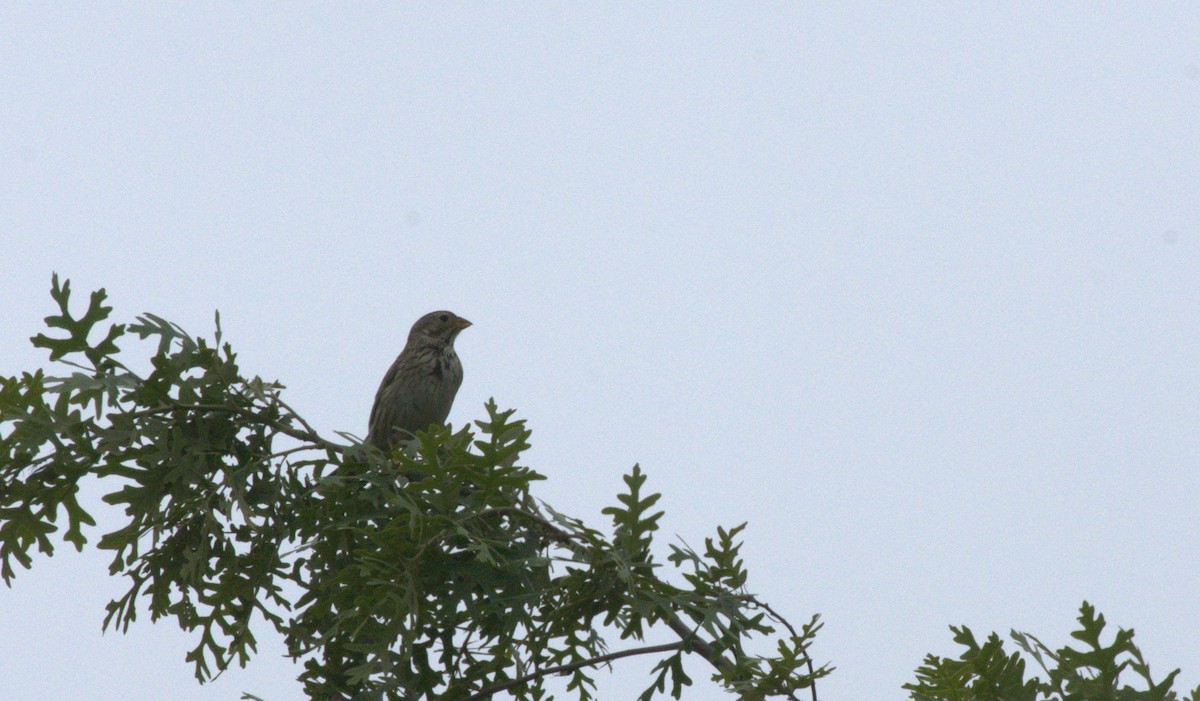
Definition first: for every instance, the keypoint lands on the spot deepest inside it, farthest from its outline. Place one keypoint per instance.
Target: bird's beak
(461, 323)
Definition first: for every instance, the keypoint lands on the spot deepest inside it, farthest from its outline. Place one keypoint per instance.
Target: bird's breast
(447, 366)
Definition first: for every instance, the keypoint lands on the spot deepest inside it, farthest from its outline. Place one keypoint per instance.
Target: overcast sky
(915, 290)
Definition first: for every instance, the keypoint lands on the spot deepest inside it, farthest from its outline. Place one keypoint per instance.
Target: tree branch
(488, 691)
(555, 532)
(807, 658)
(301, 435)
(697, 644)
(688, 635)
(289, 451)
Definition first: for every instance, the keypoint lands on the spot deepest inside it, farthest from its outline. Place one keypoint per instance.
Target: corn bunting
(419, 388)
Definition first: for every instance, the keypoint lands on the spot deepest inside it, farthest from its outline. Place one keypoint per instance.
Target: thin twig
(297, 449)
(689, 636)
(563, 669)
(312, 431)
(302, 435)
(557, 533)
(807, 658)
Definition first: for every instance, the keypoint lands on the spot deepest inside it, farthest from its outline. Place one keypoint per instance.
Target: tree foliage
(988, 672)
(432, 572)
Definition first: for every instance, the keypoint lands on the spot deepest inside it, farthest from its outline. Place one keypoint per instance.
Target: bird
(419, 387)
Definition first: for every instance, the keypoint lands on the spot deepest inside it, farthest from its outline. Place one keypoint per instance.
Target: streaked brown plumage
(419, 388)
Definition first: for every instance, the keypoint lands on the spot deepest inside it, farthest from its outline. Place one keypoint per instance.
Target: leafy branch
(428, 573)
(494, 689)
(1094, 673)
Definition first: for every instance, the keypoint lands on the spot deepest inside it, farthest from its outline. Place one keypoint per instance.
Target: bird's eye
(444, 317)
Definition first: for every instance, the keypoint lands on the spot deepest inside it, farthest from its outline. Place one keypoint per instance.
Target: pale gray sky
(914, 289)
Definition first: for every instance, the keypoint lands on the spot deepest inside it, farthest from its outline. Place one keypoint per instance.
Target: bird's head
(437, 327)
